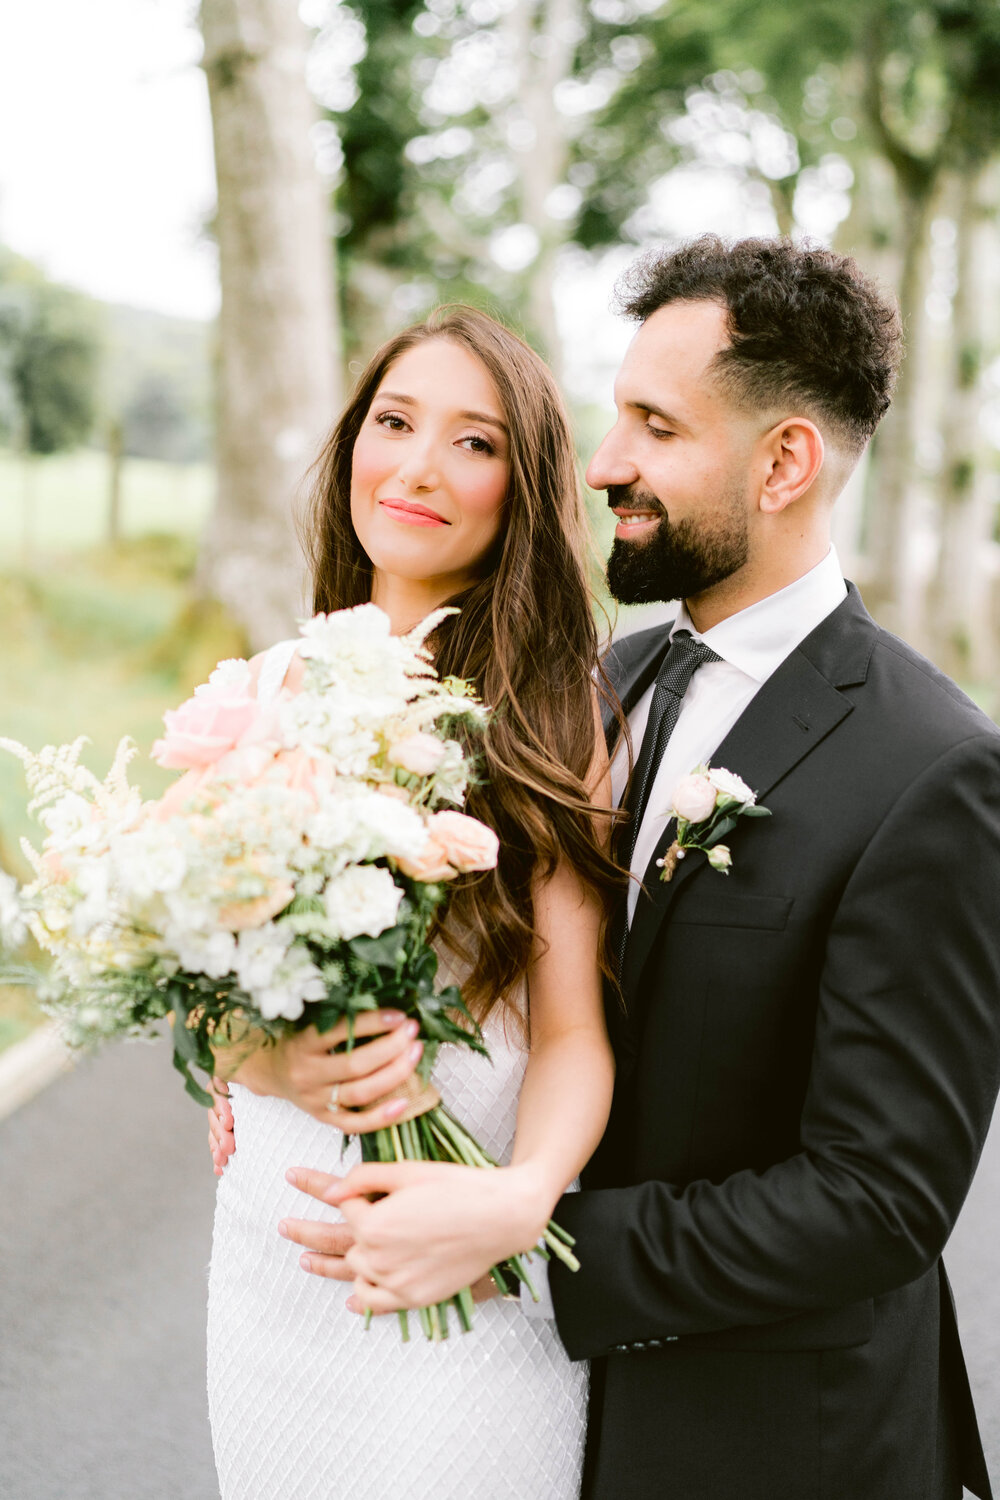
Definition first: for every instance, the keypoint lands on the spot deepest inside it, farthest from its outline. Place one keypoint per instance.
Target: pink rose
(211, 724)
(694, 798)
(467, 843)
(420, 754)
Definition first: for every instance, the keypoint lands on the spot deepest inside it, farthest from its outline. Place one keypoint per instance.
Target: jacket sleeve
(903, 1080)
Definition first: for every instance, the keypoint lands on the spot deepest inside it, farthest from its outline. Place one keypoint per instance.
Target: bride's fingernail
(283, 1229)
(305, 1262)
(292, 1176)
(394, 1110)
(353, 1305)
(392, 1017)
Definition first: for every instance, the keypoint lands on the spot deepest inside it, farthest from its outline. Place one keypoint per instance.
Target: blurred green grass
(97, 640)
(62, 501)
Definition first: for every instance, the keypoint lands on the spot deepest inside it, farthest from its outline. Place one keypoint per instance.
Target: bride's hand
(439, 1228)
(303, 1069)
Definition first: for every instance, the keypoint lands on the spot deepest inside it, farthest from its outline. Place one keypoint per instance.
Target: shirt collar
(757, 640)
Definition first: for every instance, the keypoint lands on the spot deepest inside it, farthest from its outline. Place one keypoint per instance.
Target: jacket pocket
(714, 908)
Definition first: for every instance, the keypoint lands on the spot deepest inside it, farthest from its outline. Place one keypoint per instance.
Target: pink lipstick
(412, 514)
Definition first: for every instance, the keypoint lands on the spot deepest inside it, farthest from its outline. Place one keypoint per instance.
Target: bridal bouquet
(290, 877)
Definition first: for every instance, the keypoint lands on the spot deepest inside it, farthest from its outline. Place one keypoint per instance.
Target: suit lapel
(631, 666)
(793, 713)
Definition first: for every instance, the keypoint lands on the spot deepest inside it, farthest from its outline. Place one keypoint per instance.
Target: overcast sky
(106, 170)
(106, 173)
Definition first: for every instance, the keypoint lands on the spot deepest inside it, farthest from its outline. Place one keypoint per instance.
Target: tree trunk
(891, 586)
(544, 36)
(960, 595)
(278, 338)
(115, 452)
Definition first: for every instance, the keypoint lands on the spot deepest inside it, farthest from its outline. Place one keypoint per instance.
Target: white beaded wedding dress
(305, 1403)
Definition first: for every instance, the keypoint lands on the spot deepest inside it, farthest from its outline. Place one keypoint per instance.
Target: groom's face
(677, 463)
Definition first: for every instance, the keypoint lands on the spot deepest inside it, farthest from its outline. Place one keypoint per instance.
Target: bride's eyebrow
(467, 416)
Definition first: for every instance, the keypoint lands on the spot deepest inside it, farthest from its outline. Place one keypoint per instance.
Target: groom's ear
(793, 457)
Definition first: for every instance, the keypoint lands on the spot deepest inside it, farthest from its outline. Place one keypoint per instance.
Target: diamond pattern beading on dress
(307, 1405)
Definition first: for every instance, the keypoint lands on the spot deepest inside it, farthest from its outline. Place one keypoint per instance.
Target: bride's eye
(392, 420)
(478, 443)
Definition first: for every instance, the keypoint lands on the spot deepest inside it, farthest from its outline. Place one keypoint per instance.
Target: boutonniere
(707, 805)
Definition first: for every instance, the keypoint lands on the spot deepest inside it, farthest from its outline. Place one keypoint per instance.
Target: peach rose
(431, 866)
(176, 799)
(258, 910)
(694, 798)
(420, 754)
(467, 843)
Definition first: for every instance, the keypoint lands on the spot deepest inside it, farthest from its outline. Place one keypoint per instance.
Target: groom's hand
(434, 1228)
(326, 1244)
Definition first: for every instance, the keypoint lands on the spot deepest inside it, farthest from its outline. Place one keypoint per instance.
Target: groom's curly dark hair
(805, 325)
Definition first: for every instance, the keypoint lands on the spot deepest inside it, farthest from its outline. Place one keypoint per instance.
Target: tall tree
(50, 349)
(278, 341)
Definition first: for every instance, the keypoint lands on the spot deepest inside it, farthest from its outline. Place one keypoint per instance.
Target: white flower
(13, 928)
(364, 899)
(362, 825)
(451, 779)
(729, 785)
(694, 798)
(294, 982)
(149, 861)
(234, 672)
(259, 952)
(212, 954)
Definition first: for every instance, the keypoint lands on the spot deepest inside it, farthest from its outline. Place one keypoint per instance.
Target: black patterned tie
(682, 660)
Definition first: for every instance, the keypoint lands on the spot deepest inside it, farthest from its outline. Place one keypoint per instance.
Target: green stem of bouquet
(438, 1136)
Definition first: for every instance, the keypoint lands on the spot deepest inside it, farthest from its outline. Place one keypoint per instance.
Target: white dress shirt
(752, 645)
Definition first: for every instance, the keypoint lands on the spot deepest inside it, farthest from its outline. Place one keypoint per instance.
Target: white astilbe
(13, 927)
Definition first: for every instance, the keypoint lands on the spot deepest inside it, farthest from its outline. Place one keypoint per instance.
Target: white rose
(420, 754)
(364, 899)
(694, 798)
(729, 785)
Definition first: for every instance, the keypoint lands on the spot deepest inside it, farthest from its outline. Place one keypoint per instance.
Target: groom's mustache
(633, 497)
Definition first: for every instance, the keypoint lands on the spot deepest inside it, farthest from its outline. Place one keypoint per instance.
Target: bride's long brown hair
(525, 635)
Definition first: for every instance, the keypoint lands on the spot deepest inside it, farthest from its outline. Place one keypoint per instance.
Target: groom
(809, 1047)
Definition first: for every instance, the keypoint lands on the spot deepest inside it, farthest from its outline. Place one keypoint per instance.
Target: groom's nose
(611, 464)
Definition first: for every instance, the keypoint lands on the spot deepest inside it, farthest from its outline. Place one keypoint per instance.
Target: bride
(450, 477)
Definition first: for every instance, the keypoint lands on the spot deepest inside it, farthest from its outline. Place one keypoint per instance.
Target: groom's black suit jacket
(806, 1073)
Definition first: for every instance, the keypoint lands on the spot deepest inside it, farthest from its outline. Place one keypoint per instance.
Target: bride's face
(431, 468)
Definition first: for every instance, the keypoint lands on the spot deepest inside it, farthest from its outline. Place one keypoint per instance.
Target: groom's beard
(680, 559)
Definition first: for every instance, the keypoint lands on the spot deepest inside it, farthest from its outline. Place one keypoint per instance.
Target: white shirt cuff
(544, 1308)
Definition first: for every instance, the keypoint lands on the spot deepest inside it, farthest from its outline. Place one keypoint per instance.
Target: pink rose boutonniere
(707, 805)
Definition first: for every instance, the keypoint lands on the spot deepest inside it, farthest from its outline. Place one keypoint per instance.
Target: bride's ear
(793, 457)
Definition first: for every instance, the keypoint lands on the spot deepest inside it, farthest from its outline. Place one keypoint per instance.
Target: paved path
(106, 1198)
(105, 1224)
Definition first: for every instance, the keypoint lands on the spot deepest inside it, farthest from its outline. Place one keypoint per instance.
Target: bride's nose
(420, 469)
